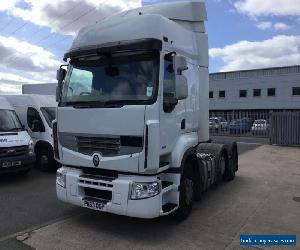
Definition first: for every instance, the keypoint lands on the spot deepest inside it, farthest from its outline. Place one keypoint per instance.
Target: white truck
(16, 146)
(132, 129)
(36, 113)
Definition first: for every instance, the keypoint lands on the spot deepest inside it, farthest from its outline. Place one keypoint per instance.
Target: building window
(296, 91)
(271, 92)
(256, 92)
(243, 93)
(211, 94)
(222, 94)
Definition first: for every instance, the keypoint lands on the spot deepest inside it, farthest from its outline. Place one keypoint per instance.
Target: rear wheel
(230, 168)
(186, 195)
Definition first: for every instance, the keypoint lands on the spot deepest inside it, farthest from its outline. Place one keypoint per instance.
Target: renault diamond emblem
(96, 160)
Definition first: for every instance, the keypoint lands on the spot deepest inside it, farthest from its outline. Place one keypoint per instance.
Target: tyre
(186, 194)
(231, 168)
(45, 159)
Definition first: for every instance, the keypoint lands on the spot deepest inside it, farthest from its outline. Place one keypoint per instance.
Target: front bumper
(27, 161)
(116, 191)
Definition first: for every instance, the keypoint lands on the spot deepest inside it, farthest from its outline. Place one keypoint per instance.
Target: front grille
(13, 151)
(104, 145)
(101, 172)
(96, 193)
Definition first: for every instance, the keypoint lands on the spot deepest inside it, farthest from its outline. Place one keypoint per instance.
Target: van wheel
(44, 159)
(186, 193)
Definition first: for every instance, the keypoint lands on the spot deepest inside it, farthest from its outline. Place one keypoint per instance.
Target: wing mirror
(181, 87)
(61, 74)
(180, 64)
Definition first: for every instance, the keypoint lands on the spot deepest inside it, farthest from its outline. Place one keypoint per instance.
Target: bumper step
(168, 207)
(166, 184)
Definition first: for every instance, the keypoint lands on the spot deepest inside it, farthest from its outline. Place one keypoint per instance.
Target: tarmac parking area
(263, 199)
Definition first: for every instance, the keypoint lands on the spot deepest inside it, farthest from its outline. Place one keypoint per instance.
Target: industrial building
(253, 90)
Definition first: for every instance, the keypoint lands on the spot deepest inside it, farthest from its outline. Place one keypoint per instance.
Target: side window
(169, 85)
(169, 77)
(80, 83)
(32, 115)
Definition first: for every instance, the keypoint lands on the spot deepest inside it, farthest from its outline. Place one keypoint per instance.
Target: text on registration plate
(11, 164)
(93, 204)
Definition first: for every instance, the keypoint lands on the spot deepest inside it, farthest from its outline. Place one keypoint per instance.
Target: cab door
(172, 111)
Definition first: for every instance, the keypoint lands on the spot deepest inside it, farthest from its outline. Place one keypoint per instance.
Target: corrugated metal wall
(285, 128)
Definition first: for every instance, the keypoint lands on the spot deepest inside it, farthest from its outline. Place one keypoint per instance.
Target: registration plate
(11, 164)
(94, 204)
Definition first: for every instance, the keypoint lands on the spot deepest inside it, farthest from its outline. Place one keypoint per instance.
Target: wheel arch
(42, 144)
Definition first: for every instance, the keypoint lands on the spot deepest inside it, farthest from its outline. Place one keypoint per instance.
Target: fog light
(61, 178)
(145, 190)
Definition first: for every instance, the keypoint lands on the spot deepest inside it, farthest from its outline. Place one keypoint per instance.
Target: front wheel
(186, 194)
(45, 159)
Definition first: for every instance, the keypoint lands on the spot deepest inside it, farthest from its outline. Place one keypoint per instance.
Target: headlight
(31, 147)
(61, 178)
(144, 190)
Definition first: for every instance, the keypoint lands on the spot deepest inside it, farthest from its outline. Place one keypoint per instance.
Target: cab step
(168, 186)
(168, 207)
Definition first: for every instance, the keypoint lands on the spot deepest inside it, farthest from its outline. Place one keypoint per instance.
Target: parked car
(223, 123)
(260, 127)
(214, 124)
(217, 124)
(239, 126)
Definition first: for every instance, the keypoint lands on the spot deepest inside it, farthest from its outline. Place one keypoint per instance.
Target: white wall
(283, 79)
(39, 89)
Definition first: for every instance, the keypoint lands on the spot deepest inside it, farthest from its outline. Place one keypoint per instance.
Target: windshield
(50, 114)
(127, 79)
(9, 121)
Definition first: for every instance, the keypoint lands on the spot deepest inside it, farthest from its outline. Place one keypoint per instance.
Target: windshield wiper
(94, 104)
(10, 130)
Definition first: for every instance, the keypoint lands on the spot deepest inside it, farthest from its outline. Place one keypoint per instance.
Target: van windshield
(9, 121)
(112, 79)
(50, 114)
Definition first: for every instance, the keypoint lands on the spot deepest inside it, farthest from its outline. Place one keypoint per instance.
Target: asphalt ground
(29, 203)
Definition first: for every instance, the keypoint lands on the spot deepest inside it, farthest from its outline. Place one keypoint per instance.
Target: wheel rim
(189, 187)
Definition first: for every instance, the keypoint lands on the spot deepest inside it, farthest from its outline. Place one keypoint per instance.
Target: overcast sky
(243, 34)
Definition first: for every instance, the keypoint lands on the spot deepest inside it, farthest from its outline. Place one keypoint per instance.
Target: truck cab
(16, 147)
(132, 110)
(36, 113)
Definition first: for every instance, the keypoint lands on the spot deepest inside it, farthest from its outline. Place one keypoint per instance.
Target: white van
(36, 113)
(16, 146)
